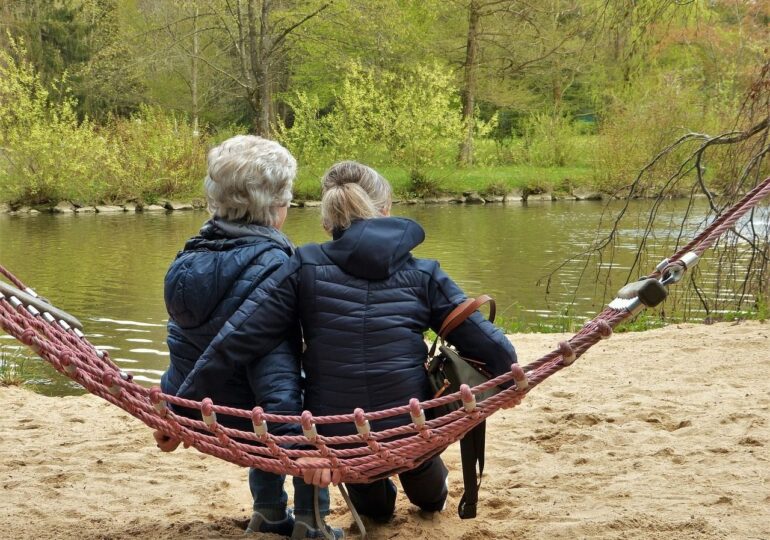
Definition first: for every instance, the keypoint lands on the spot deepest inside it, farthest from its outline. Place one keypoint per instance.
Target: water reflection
(108, 270)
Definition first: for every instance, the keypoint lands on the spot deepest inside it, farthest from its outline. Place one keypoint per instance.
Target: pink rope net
(362, 457)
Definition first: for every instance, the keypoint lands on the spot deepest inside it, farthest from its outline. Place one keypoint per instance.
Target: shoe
(260, 524)
(303, 530)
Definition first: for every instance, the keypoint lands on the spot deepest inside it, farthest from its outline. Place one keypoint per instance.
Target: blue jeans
(267, 492)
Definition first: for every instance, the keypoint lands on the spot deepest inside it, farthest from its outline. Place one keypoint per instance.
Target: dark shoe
(260, 523)
(303, 530)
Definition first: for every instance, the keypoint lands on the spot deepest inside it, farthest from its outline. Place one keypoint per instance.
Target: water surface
(108, 269)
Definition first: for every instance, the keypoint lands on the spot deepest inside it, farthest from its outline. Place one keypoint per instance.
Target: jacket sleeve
(261, 322)
(476, 337)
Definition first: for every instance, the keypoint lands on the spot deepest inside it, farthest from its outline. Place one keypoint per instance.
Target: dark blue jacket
(364, 302)
(204, 286)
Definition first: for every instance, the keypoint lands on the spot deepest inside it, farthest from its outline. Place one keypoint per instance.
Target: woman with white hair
(248, 188)
(364, 302)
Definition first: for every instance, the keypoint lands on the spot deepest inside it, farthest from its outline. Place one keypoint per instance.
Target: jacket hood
(208, 268)
(374, 248)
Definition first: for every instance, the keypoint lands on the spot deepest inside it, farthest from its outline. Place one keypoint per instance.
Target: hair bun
(345, 172)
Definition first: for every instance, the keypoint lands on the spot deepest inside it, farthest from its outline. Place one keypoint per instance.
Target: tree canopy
(413, 83)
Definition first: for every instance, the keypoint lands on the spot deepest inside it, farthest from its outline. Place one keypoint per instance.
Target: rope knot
(567, 353)
(157, 403)
(109, 380)
(418, 417)
(207, 412)
(308, 427)
(522, 382)
(67, 364)
(468, 399)
(28, 337)
(258, 421)
(362, 424)
(605, 330)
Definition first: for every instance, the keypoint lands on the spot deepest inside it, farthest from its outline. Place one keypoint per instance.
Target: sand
(660, 434)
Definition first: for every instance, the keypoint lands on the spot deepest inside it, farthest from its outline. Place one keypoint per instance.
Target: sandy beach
(660, 434)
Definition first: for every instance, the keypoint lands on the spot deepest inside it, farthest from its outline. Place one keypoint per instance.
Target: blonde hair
(248, 179)
(352, 191)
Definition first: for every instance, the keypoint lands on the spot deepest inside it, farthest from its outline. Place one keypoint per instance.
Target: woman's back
(364, 305)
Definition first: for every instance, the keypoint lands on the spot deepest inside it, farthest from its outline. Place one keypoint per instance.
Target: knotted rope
(363, 457)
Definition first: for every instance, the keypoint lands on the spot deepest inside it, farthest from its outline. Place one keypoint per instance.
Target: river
(108, 269)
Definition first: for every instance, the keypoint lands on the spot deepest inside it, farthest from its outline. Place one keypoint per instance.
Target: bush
(642, 122)
(549, 140)
(159, 156)
(413, 115)
(48, 155)
(420, 185)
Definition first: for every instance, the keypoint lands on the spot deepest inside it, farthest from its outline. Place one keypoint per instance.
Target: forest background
(106, 101)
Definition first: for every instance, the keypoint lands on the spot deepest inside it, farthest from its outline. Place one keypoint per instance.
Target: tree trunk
(469, 83)
(254, 65)
(264, 90)
(194, 73)
(557, 88)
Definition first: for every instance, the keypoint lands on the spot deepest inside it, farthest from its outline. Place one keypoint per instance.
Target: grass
(455, 181)
(12, 372)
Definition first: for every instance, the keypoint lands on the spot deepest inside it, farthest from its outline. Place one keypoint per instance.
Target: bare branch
(290, 29)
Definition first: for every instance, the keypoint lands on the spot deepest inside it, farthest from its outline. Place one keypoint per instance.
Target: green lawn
(453, 180)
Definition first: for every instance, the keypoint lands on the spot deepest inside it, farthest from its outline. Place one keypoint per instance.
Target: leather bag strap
(463, 311)
(472, 453)
(458, 315)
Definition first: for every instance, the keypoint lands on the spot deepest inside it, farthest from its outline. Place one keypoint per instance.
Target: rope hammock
(366, 456)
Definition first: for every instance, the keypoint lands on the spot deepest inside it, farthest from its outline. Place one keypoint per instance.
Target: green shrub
(496, 187)
(549, 140)
(159, 156)
(411, 118)
(48, 155)
(644, 120)
(420, 185)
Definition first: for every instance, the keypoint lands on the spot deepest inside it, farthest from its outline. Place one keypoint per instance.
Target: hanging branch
(739, 266)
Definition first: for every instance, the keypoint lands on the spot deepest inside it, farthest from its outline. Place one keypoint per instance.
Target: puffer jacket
(364, 302)
(205, 285)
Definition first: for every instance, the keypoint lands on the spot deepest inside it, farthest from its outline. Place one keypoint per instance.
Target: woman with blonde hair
(364, 303)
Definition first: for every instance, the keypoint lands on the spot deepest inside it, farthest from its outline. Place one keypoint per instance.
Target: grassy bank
(495, 180)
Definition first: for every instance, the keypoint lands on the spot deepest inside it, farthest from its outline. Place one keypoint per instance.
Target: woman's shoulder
(428, 266)
(311, 253)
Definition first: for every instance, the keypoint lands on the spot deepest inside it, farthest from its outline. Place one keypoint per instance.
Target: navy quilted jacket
(364, 302)
(204, 287)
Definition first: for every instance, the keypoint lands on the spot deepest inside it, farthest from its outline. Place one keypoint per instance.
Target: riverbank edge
(466, 198)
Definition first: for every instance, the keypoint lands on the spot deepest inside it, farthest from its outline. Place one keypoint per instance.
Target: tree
(258, 31)
(82, 39)
(494, 64)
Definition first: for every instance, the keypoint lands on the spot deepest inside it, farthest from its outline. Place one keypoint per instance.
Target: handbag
(447, 370)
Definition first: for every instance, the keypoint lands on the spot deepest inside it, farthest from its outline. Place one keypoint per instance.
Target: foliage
(375, 81)
(549, 140)
(412, 114)
(643, 120)
(306, 137)
(42, 140)
(159, 156)
(49, 155)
